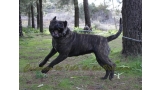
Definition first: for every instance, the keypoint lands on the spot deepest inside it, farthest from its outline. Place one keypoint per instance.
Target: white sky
(97, 2)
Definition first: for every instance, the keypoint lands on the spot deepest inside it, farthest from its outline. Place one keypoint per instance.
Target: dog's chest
(60, 46)
(57, 46)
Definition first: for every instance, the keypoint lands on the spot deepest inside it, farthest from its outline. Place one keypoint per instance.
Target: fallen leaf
(72, 77)
(40, 85)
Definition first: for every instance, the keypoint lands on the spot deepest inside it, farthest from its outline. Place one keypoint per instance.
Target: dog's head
(57, 28)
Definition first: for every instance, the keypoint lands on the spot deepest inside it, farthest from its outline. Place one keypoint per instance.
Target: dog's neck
(67, 34)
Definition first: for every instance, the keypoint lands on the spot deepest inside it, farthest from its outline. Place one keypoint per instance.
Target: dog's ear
(65, 30)
(54, 18)
(65, 23)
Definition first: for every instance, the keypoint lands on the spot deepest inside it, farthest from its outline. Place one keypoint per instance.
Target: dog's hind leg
(104, 66)
(109, 67)
(52, 52)
(112, 71)
(105, 62)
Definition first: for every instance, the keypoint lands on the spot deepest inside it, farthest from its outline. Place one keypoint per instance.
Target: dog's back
(86, 43)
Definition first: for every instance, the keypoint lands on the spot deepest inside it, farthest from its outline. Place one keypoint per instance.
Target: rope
(132, 39)
(85, 31)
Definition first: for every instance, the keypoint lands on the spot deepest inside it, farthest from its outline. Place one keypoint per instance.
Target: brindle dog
(68, 43)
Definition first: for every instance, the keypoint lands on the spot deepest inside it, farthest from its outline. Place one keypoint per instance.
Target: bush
(77, 29)
(30, 30)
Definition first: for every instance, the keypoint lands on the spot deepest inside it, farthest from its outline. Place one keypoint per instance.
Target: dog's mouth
(57, 33)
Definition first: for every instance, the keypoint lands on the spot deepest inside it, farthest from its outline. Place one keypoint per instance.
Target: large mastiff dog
(68, 43)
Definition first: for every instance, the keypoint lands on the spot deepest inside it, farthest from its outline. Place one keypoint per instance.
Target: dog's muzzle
(55, 34)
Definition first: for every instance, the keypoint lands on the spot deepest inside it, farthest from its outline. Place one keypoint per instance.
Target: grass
(75, 73)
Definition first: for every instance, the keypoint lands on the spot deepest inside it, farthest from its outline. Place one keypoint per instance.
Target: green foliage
(88, 61)
(65, 84)
(136, 65)
(96, 31)
(39, 74)
(64, 4)
(30, 30)
(112, 31)
(132, 66)
(77, 29)
(25, 5)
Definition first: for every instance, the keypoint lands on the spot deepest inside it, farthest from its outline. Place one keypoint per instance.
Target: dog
(68, 44)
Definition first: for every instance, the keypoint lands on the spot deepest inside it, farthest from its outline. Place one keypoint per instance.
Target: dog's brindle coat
(68, 43)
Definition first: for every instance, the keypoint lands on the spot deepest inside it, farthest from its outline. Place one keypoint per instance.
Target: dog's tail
(112, 37)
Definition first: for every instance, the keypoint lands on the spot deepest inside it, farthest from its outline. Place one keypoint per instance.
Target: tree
(32, 12)
(21, 4)
(132, 27)
(25, 9)
(29, 18)
(61, 4)
(41, 16)
(38, 12)
(20, 25)
(100, 12)
(86, 13)
(76, 17)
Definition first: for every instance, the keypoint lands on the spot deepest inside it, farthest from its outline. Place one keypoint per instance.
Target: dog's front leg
(52, 52)
(60, 58)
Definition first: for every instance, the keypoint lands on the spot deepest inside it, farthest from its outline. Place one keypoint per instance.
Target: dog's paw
(46, 69)
(111, 75)
(110, 78)
(41, 64)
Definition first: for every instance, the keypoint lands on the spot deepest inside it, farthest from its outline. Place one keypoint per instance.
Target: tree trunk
(32, 12)
(20, 25)
(86, 13)
(132, 27)
(76, 17)
(38, 21)
(41, 16)
(29, 18)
